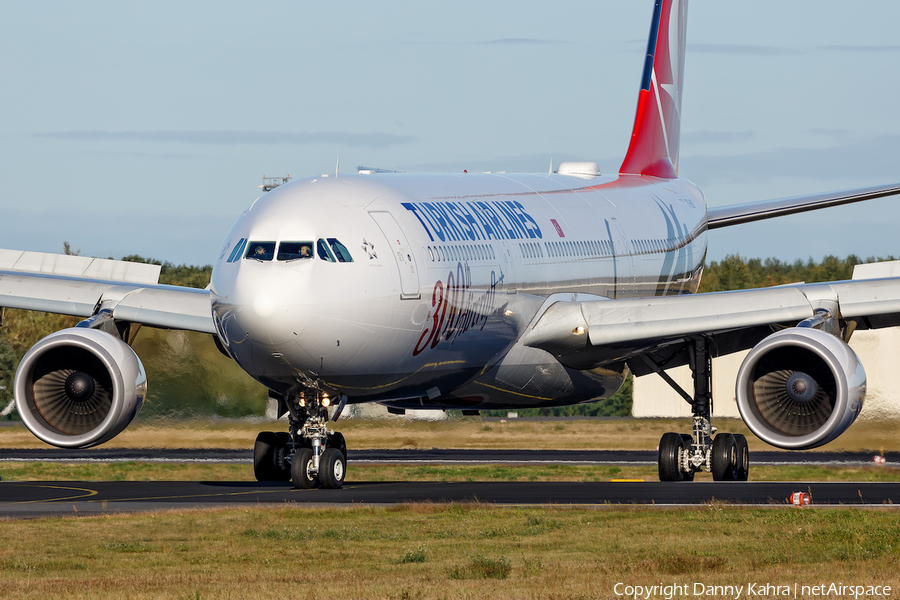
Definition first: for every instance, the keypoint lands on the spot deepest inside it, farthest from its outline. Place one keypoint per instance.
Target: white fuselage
(447, 272)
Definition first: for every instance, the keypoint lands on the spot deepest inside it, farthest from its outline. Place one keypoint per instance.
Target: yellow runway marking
(222, 494)
(86, 494)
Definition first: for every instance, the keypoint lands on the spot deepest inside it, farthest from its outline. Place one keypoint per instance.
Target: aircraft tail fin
(657, 124)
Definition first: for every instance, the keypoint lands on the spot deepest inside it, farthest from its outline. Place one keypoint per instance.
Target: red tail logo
(657, 124)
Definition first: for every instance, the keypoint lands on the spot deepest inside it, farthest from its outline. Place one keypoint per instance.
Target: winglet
(657, 124)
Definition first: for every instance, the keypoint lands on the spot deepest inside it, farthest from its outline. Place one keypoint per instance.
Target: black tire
(670, 447)
(336, 440)
(743, 457)
(724, 458)
(687, 440)
(332, 468)
(300, 466)
(282, 466)
(264, 452)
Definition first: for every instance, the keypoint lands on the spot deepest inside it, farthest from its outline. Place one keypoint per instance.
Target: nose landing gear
(309, 454)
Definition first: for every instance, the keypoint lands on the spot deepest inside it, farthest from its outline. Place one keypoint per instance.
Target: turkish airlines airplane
(470, 291)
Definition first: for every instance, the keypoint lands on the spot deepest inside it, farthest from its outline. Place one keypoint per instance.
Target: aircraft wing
(736, 214)
(588, 334)
(79, 286)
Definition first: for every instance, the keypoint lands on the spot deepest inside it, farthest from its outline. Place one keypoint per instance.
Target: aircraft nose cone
(266, 304)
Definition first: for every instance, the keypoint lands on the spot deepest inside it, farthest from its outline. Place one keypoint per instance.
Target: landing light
(578, 330)
(326, 401)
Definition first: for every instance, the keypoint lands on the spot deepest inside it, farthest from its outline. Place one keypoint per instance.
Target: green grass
(464, 432)
(137, 471)
(440, 551)
(481, 567)
(124, 471)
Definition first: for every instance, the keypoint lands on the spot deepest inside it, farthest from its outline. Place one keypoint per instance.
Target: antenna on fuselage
(337, 167)
(551, 168)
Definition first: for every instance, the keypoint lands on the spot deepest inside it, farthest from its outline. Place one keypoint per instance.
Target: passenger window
(294, 250)
(261, 250)
(340, 250)
(323, 251)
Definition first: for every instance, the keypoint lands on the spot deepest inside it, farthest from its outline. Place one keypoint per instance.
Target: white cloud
(233, 138)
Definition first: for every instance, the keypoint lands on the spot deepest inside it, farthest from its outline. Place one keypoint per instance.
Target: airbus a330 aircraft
(469, 291)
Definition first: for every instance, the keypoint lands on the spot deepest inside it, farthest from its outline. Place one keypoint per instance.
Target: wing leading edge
(587, 334)
(80, 286)
(725, 216)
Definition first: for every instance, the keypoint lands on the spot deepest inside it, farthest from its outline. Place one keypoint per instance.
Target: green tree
(8, 364)
(183, 275)
(737, 273)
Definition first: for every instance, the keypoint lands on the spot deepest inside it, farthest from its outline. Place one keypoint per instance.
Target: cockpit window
(238, 250)
(340, 250)
(260, 250)
(294, 250)
(323, 251)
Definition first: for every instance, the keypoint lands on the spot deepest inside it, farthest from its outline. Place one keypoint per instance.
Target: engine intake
(79, 387)
(800, 388)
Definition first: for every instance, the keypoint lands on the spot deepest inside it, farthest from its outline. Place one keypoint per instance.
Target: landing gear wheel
(300, 469)
(265, 451)
(332, 468)
(743, 457)
(724, 458)
(688, 440)
(670, 448)
(336, 440)
(282, 468)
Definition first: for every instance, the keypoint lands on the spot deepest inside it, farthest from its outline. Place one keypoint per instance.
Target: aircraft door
(400, 249)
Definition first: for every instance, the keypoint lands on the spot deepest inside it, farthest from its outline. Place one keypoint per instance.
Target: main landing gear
(309, 455)
(680, 454)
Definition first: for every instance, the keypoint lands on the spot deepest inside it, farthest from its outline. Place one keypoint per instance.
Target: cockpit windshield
(294, 250)
(330, 250)
(260, 250)
(340, 250)
(323, 251)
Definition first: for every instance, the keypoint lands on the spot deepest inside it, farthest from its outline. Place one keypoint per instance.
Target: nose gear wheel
(309, 455)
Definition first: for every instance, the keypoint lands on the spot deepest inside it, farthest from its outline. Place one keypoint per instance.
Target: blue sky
(147, 127)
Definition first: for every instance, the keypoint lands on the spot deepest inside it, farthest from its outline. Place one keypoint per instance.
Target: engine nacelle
(800, 388)
(79, 387)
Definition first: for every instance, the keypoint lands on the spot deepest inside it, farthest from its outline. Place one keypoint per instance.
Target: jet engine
(79, 387)
(800, 388)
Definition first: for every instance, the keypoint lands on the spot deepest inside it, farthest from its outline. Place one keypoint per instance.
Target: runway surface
(599, 457)
(34, 499)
